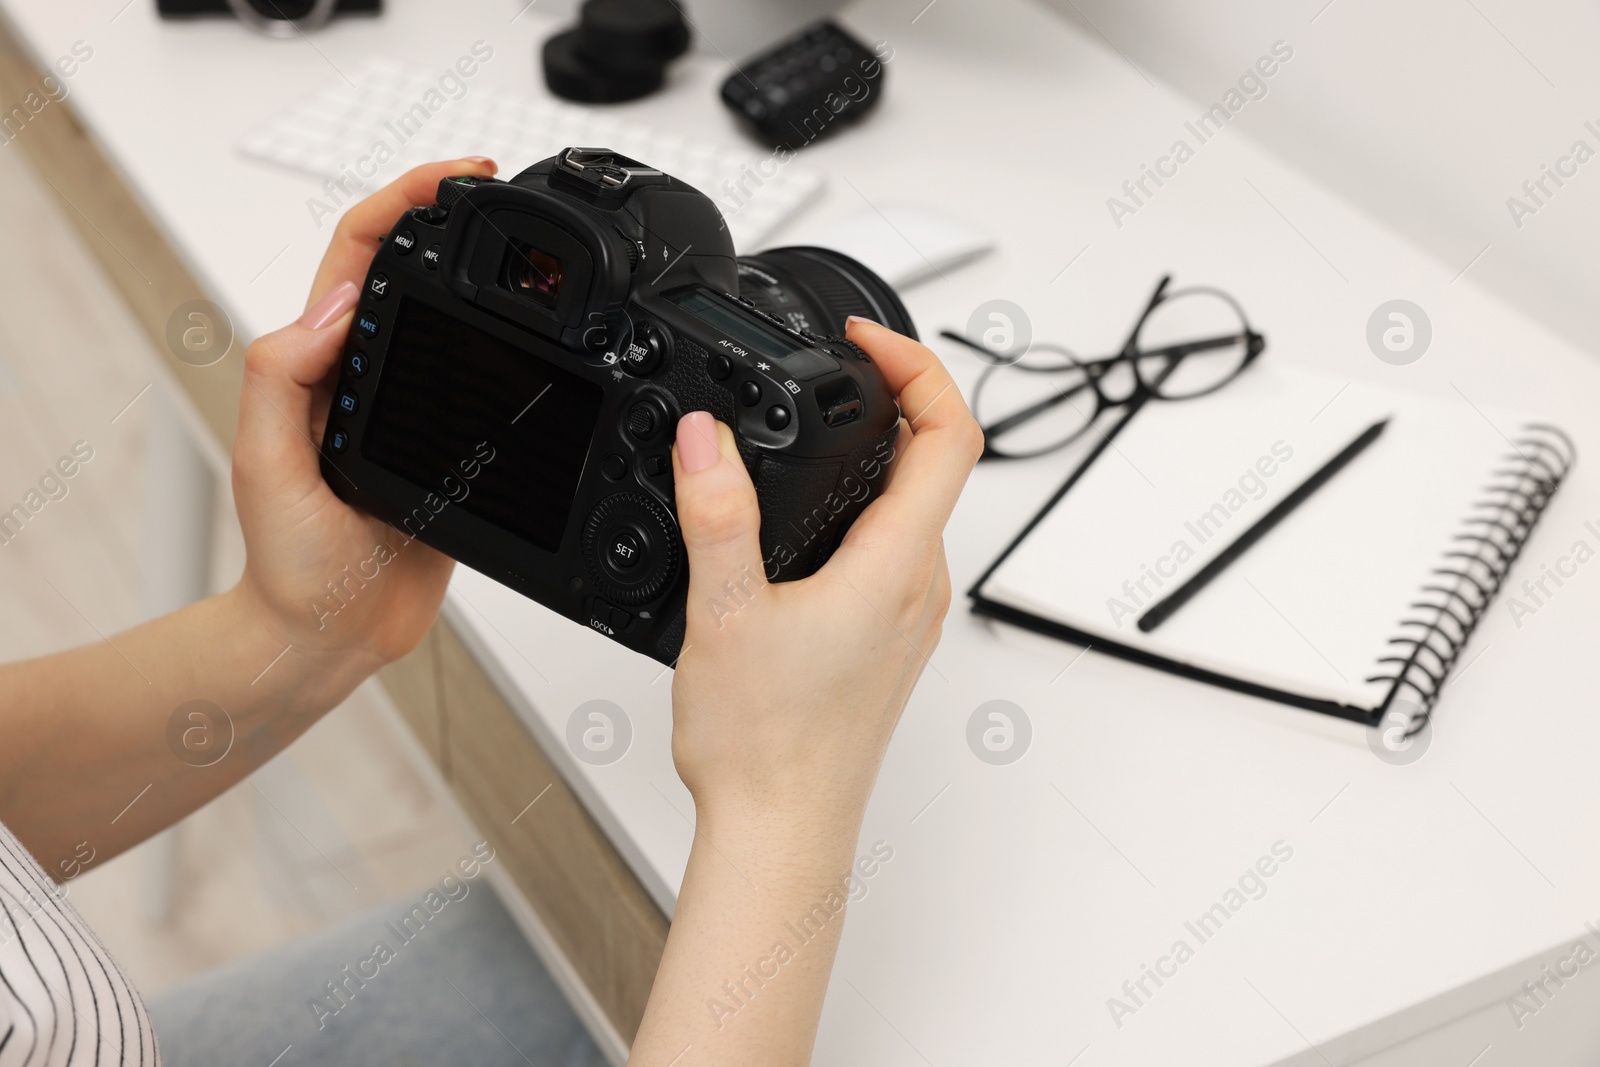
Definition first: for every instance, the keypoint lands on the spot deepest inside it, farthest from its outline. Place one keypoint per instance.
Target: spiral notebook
(1361, 601)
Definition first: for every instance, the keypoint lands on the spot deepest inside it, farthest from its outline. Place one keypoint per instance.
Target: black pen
(1163, 609)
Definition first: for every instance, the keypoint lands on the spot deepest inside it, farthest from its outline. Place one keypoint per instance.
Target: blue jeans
(458, 987)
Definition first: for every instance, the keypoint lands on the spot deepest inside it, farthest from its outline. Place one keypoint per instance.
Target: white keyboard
(334, 127)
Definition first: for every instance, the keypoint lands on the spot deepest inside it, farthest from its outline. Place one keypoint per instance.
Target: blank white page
(1311, 607)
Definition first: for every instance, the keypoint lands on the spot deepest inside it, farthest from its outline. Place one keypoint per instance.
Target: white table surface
(1021, 897)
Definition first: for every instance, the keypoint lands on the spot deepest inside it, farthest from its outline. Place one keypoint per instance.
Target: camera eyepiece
(533, 272)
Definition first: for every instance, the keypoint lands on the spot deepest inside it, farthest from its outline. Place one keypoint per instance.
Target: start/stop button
(649, 349)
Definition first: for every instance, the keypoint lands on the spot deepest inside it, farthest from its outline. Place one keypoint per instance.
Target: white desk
(1009, 913)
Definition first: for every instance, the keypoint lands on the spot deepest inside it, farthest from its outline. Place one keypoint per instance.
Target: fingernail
(485, 160)
(851, 320)
(327, 310)
(697, 441)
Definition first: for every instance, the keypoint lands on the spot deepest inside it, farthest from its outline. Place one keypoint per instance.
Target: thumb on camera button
(697, 442)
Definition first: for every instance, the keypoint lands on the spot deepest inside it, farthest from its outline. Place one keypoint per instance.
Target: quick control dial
(631, 548)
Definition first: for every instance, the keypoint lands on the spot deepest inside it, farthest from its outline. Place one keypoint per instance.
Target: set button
(631, 548)
(624, 551)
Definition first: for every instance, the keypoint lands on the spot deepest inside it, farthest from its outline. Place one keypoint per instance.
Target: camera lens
(534, 273)
(816, 289)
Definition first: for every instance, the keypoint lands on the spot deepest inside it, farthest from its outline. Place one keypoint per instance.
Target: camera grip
(806, 507)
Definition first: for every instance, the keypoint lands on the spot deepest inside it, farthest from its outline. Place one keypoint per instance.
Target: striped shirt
(63, 1002)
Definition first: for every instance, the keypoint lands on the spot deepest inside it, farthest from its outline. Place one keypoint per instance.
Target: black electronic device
(618, 51)
(811, 85)
(523, 351)
(278, 17)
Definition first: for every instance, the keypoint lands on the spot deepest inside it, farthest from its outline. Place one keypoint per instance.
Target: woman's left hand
(329, 578)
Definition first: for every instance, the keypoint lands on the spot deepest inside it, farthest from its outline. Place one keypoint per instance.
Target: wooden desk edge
(574, 887)
(585, 898)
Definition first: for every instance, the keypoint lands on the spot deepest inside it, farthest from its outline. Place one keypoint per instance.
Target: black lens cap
(572, 76)
(631, 33)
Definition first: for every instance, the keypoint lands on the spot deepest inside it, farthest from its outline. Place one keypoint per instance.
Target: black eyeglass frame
(1094, 370)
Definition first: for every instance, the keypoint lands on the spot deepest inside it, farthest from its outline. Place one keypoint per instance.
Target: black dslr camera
(523, 351)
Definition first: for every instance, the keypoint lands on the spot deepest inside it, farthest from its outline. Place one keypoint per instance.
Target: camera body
(521, 355)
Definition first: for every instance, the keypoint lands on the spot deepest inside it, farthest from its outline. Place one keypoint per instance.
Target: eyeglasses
(1186, 343)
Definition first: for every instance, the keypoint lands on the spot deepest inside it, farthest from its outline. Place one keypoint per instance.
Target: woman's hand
(326, 577)
(785, 695)
(783, 704)
(320, 606)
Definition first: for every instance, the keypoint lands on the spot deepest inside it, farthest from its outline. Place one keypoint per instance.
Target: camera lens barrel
(817, 289)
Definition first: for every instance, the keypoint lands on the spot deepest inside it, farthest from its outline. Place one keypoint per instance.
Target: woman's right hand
(786, 695)
(782, 707)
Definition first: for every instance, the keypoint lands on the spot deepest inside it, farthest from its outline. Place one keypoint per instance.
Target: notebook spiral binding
(1490, 541)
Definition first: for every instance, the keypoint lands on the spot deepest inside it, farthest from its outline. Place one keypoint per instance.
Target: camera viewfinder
(533, 273)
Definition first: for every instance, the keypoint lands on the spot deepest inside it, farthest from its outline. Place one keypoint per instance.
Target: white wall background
(1428, 114)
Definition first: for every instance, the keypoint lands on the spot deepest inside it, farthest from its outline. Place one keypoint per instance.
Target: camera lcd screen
(744, 329)
(447, 390)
